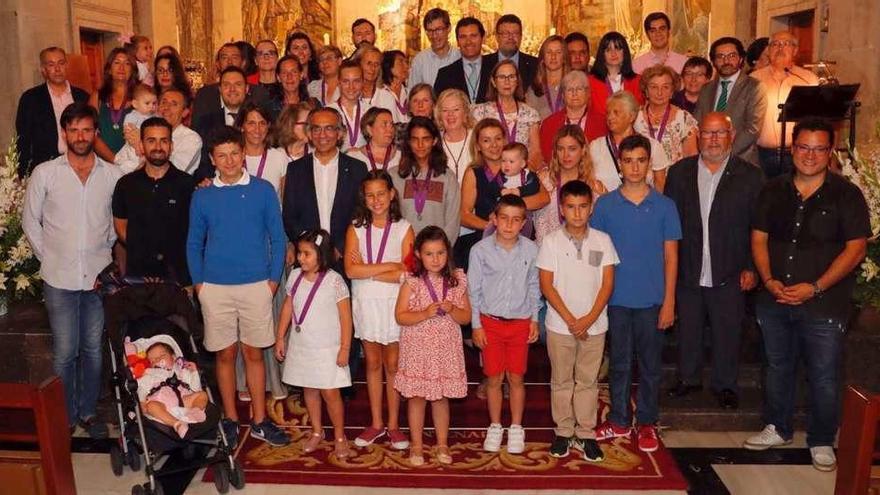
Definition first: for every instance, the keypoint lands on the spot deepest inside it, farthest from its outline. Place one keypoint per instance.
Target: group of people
(407, 207)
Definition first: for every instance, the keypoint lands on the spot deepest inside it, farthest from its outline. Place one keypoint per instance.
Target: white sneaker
(823, 458)
(768, 438)
(494, 436)
(516, 439)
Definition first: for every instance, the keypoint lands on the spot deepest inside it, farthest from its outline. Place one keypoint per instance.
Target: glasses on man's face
(506, 77)
(324, 129)
(723, 133)
(268, 53)
(436, 31)
(726, 56)
(783, 43)
(807, 150)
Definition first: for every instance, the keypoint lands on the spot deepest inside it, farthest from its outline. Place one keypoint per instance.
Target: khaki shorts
(237, 313)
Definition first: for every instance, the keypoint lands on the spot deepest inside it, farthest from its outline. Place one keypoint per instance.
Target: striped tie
(722, 100)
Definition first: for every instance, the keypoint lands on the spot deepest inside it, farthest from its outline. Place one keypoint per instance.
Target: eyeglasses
(806, 150)
(268, 53)
(780, 43)
(324, 129)
(719, 134)
(576, 89)
(506, 77)
(727, 56)
(439, 30)
(164, 72)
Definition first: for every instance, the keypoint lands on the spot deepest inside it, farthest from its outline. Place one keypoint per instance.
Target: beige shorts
(237, 313)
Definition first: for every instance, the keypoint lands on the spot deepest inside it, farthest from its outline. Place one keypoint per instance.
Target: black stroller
(145, 311)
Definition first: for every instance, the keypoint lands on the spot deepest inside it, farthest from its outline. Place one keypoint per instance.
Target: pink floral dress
(431, 363)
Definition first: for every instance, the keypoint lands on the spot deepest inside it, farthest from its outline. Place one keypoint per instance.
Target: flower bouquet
(865, 173)
(19, 268)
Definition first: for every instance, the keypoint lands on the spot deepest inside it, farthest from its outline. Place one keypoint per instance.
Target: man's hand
(533, 332)
(479, 337)
(747, 280)
(797, 294)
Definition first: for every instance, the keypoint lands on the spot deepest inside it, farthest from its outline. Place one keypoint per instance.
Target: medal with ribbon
(385, 231)
(433, 293)
(298, 321)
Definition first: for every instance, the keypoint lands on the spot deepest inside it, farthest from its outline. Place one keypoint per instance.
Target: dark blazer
(746, 104)
(300, 208)
(36, 127)
(730, 219)
(208, 100)
(527, 67)
(452, 76)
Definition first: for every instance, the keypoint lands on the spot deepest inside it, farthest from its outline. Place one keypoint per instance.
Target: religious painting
(274, 19)
(690, 26)
(597, 17)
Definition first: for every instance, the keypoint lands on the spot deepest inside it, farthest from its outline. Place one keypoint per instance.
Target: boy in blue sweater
(235, 251)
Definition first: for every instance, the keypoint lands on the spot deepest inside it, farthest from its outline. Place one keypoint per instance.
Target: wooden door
(801, 25)
(91, 46)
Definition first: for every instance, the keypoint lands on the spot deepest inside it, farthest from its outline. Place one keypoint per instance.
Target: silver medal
(298, 329)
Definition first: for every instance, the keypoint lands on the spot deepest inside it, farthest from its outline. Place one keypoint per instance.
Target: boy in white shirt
(576, 270)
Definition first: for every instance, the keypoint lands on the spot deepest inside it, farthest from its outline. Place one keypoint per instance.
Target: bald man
(777, 79)
(715, 193)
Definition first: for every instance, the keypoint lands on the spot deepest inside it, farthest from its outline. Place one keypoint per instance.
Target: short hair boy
(576, 267)
(505, 298)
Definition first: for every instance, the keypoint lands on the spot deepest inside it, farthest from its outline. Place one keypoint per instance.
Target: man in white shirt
(186, 154)
(427, 62)
(68, 222)
(658, 27)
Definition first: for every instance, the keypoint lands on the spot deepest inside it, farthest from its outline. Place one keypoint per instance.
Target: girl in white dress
(375, 246)
(316, 355)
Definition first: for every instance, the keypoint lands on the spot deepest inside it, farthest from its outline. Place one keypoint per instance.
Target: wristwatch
(816, 289)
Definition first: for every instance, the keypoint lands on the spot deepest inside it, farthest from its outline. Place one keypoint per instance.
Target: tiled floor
(93, 475)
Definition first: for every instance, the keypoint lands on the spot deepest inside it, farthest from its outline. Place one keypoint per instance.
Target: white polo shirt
(577, 278)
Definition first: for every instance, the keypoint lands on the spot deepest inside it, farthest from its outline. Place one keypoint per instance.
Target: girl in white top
(350, 105)
(377, 126)
(315, 355)
(395, 70)
(456, 124)
(326, 89)
(375, 246)
(620, 116)
(261, 161)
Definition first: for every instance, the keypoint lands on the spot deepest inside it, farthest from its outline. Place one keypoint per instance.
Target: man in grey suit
(735, 93)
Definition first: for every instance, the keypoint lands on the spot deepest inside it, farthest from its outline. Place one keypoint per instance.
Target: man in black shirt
(151, 209)
(809, 234)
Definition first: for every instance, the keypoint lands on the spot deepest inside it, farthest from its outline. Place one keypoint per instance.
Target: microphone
(790, 73)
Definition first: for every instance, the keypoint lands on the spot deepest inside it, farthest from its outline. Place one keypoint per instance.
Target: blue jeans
(789, 333)
(77, 321)
(634, 331)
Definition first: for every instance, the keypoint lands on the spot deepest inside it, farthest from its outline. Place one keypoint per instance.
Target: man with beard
(715, 193)
(68, 224)
(735, 93)
(151, 209)
(508, 34)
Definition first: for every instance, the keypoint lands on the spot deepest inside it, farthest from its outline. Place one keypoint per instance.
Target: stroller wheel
(157, 490)
(221, 477)
(236, 477)
(133, 458)
(117, 461)
(138, 490)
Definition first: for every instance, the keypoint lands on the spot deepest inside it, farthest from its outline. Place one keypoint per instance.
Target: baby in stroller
(169, 388)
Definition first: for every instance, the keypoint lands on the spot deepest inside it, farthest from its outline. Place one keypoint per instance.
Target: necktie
(722, 100)
(471, 84)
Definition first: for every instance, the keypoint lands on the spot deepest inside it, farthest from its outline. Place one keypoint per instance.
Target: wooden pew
(46, 401)
(858, 435)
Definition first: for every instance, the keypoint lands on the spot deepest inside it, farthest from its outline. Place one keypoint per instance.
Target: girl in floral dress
(430, 307)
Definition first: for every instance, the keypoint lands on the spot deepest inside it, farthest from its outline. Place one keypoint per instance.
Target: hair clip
(319, 239)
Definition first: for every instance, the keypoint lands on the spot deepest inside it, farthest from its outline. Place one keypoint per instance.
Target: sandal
(341, 449)
(416, 458)
(313, 442)
(443, 456)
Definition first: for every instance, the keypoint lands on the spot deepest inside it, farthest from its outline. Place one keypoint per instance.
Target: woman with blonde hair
(545, 92)
(380, 152)
(570, 161)
(672, 126)
(326, 89)
(456, 123)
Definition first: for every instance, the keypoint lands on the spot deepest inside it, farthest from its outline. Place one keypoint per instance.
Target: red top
(599, 93)
(594, 126)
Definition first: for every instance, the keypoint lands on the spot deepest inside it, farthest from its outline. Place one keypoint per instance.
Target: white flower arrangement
(865, 173)
(19, 268)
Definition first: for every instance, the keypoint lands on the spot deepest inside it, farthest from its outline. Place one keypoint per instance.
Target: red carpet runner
(625, 467)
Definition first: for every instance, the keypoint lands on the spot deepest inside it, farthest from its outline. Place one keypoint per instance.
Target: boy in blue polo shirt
(645, 229)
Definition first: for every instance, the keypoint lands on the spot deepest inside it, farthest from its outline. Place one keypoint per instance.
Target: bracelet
(771, 279)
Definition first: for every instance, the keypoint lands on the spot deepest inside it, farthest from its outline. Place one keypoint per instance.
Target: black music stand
(831, 102)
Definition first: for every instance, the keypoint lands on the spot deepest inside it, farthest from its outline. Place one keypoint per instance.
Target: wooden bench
(51, 471)
(856, 445)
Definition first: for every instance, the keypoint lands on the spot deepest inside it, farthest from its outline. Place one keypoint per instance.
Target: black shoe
(230, 429)
(559, 447)
(589, 448)
(727, 399)
(682, 389)
(97, 430)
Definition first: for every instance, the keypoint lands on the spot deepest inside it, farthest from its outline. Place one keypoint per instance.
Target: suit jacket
(452, 76)
(746, 105)
(208, 100)
(730, 219)
(300, 208)
(528, 65)
(37, 128)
